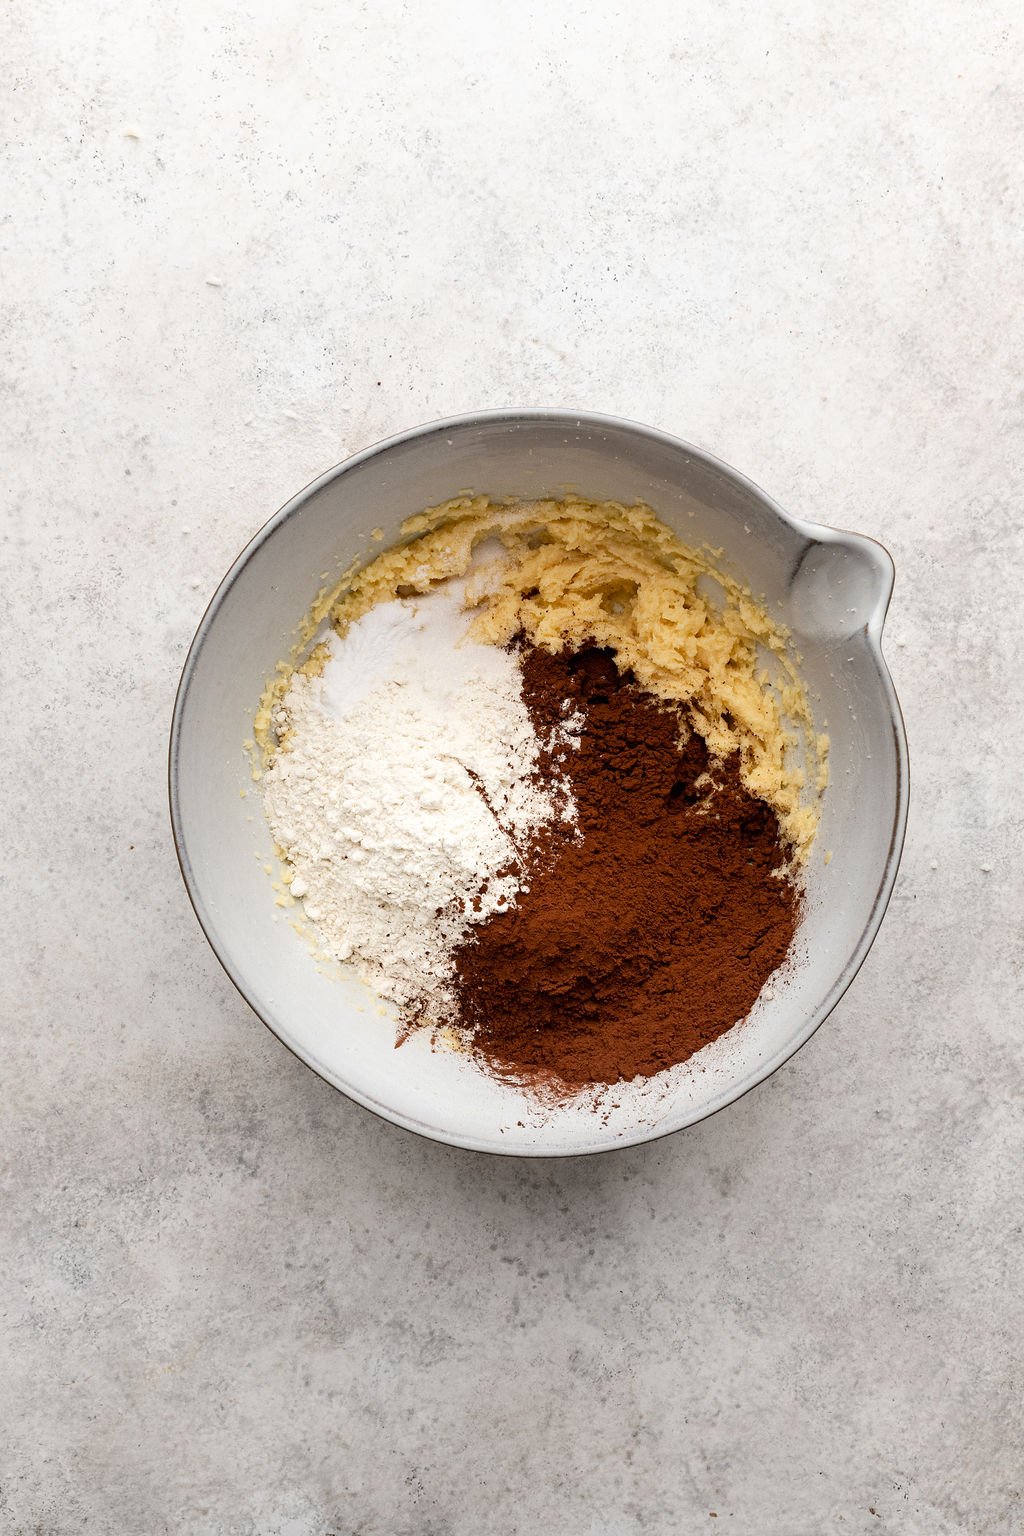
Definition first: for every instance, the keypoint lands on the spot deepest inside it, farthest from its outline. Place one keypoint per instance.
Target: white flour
(405, 786)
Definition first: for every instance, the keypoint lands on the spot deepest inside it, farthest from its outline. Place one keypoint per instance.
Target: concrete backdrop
(239, 241)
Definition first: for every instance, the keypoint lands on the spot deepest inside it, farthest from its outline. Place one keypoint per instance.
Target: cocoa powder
(653, 930)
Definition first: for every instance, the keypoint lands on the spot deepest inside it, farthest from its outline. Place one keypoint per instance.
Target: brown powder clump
(651, 932)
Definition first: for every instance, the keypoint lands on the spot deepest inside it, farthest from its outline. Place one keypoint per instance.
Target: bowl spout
(840, 587)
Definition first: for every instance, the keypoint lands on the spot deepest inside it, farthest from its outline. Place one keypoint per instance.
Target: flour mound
(404, 796)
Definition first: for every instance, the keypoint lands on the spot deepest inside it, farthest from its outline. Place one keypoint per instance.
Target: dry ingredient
(546, 780)
(406, 792)
(654, 930)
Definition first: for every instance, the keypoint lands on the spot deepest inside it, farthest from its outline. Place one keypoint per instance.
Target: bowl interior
(830, 588)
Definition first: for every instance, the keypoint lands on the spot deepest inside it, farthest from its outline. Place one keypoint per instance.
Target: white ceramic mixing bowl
(832, 590)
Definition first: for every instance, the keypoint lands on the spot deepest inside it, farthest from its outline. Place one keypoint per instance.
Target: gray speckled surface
(232, 1302)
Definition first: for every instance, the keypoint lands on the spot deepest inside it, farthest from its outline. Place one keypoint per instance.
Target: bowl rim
(817, 533)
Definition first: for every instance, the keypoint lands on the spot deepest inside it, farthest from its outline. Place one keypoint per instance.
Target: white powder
(404, 787)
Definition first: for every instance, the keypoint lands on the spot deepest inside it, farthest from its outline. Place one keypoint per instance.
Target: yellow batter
(578, 572)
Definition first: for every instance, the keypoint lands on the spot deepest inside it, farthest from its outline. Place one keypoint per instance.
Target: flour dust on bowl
(578, 766)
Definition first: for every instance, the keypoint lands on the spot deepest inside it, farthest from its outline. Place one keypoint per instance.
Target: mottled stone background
(241, 239)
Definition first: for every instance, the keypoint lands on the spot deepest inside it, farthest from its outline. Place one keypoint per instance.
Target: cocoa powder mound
(652, 931)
